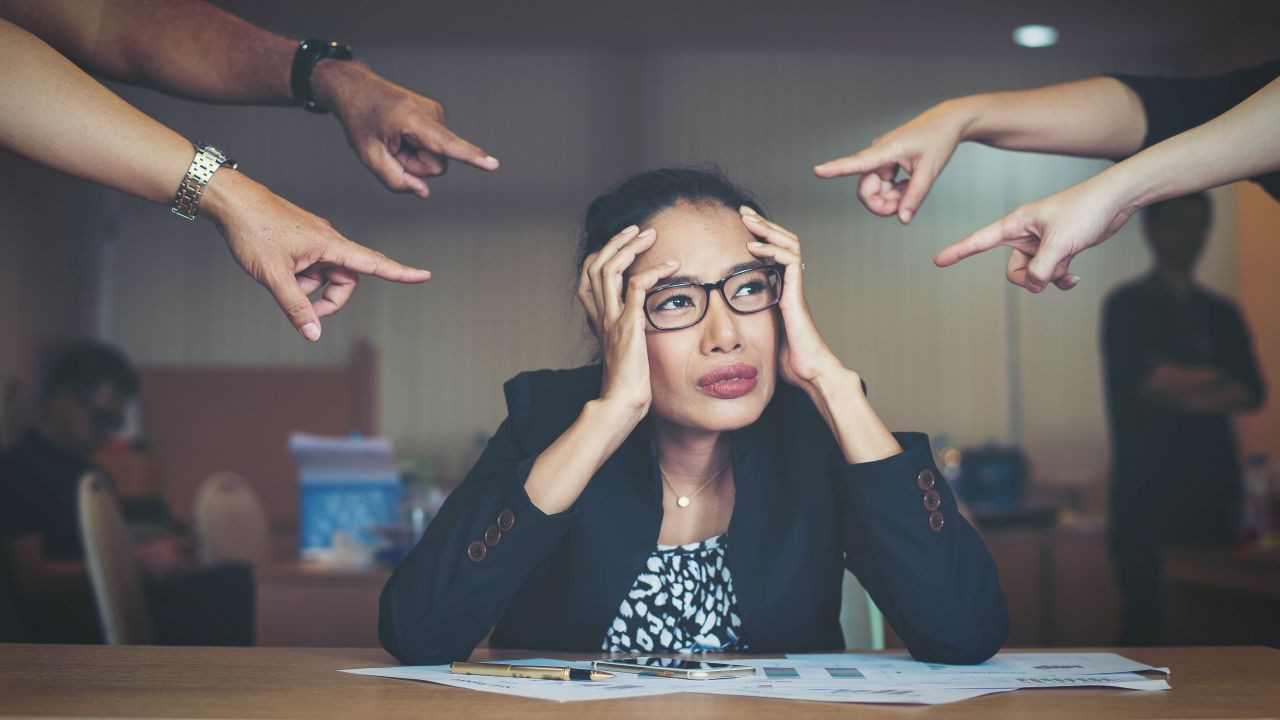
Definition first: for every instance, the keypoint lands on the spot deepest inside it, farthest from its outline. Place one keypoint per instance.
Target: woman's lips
(729, 381)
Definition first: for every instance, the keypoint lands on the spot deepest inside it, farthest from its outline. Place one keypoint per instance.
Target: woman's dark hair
(81, 366)
(636, 200)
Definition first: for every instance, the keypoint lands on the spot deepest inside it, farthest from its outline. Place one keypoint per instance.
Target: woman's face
(720, 373)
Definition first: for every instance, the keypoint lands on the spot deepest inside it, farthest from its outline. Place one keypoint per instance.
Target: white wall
(934, 345)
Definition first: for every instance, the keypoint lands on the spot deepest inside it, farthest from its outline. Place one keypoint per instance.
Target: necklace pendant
(682, 501)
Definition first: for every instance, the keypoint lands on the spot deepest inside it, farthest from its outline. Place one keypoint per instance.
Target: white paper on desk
(901, 665)
(836, 674)
(878, 694)
(558, 690)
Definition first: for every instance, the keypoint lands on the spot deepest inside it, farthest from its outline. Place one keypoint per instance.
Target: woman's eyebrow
(683, 279)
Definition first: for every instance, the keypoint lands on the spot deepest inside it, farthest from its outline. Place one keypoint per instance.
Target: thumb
(284, 288)
(917, 189)
(1050, 263)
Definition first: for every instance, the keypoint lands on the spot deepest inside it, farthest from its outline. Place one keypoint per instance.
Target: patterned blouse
(682, 601)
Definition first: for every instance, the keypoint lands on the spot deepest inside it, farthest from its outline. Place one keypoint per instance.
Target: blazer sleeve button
(932, 500)
(492, 535)
(935, 521)
(506, 520)
(925, 480)
(476, 551)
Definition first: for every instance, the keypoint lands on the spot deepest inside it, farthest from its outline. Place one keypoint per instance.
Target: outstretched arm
(1046, 235)
(56, 115)
(1096, 117)
(194, 50)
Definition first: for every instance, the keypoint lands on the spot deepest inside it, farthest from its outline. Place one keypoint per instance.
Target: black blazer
(801, 516)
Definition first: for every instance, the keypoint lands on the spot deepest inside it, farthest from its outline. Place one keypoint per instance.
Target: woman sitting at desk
(678, 496)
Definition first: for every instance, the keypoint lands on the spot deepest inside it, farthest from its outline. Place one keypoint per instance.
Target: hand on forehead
(708, 239)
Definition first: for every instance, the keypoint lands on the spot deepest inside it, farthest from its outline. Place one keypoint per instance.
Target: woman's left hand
(804, 359)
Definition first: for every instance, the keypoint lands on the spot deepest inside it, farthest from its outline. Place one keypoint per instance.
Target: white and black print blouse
(682, 601)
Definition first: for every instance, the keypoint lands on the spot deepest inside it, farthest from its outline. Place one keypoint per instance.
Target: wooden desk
(138, 682)
(308, 606)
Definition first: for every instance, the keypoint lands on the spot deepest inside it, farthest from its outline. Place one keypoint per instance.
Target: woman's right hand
(616, 310)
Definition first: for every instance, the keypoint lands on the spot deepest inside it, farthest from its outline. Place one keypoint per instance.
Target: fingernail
(747, 210)
(311, 331)
(1074, 280)
(670, 263)
(491, 161)
(752, 218)
(646, 234)
(755, 244)
(906, 216)
(629, 229)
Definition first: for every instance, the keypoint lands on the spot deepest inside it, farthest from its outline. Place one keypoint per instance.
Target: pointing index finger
(370, 262)
(993, 235)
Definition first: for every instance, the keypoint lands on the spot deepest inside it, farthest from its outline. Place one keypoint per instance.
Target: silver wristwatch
(206, 162)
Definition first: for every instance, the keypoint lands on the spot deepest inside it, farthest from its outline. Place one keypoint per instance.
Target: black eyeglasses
(682, 305)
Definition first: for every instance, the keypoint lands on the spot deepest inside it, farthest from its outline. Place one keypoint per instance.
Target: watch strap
(208, 159)
(310, 52)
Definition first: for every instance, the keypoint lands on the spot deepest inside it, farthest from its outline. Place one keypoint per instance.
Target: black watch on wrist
(310, 52)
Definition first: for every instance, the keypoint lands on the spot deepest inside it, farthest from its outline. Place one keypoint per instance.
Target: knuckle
(297, 307)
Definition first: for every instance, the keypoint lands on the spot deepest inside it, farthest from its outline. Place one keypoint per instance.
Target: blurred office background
(573, 96)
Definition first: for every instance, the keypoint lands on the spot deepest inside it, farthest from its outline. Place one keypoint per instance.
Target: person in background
(1179, 363)
(1173, 136)
(55, 114)
(86, 389)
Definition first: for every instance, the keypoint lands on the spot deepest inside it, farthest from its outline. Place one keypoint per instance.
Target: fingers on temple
(613, 270)
(769, 230)
(642, 282)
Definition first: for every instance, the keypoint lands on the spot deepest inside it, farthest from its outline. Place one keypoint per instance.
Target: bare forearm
(563, 470)
(1228, 398)
(1096, 117)
(37, 576)
(56, 115)
(859, 431)
(1168, 378)
(181, 47)
(1238, 144)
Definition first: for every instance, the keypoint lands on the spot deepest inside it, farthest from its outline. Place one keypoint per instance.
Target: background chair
(861, 619)
(230, 522)
(113, 573)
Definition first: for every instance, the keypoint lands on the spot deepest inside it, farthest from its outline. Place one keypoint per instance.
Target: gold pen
(536, 672)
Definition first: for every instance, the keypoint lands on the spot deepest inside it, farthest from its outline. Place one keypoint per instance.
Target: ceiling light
(1035, 36)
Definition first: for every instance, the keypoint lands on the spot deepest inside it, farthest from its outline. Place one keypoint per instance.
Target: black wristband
(310, 52)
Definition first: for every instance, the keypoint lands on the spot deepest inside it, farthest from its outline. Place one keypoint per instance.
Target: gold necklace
(684, 500)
